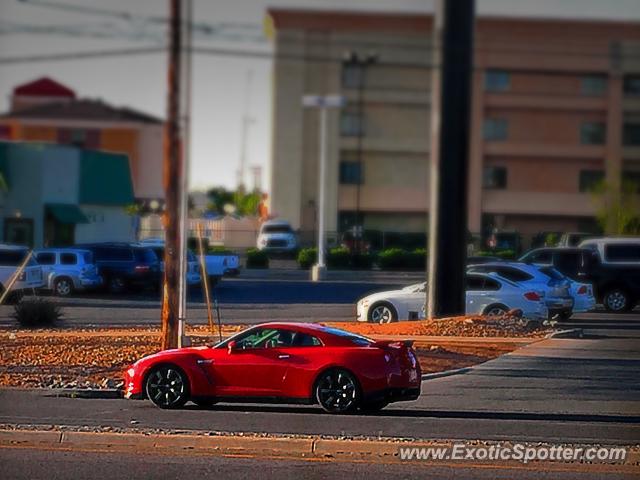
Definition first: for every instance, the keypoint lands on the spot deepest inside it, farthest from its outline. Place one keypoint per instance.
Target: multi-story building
(556, 109)
(46, 111)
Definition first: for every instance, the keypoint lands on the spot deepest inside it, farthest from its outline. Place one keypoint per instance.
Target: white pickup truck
(11, 257)
(218, 264)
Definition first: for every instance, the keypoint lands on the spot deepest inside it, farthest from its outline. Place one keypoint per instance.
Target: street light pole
(323, 103)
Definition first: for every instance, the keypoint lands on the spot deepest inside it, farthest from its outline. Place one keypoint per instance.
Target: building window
(496, 81)
(78, 137)
(590, 180)
(593, 85)
(495, 129)
(350, 172)
(592, 133)
(494, 177)
(352, 76)
(631, 134)
(631, 85)
(351, 124)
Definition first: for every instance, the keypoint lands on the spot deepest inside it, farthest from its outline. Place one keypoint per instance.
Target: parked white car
(486, 294)
(66, 270)
(277, 236)
(11, 257)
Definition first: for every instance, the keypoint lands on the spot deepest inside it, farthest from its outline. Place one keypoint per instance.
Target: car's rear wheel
(616, 300)
(495, 310)
(167, 387)
(116, 284)
(337, 391)
(63, 287)
(382, 313)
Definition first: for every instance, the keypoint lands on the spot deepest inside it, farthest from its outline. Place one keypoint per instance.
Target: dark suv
(615, 278)
(124, 266)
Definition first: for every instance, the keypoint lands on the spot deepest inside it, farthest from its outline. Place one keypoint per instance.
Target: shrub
(392, 259)
(416, 260)
(505, 254)
(339, 257)
(257, 259)
(307, 257)
(37, 312)
(362, 261)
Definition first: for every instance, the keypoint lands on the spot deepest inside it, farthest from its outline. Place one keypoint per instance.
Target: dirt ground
(96, 358)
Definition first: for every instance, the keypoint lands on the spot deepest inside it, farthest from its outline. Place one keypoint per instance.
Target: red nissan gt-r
(282, 363)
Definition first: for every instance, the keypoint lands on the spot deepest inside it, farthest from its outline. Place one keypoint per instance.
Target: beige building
(556, 109)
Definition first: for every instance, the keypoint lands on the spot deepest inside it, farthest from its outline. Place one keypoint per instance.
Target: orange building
(46, 111)
(556, 109)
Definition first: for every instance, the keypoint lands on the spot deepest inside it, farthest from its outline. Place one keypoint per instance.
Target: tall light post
(323, 103)
(361, 63)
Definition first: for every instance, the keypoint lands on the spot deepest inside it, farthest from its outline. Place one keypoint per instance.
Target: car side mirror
(231, 346)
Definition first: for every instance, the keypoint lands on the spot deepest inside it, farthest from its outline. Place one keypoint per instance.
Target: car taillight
(582, 290)
(533, 296)
(142, 268)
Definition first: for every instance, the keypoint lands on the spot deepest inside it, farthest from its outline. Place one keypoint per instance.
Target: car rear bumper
(395, 394)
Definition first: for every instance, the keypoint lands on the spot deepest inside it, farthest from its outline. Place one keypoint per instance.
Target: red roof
(44, 87)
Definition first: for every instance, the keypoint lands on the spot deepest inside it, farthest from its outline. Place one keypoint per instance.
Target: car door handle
(284, 356)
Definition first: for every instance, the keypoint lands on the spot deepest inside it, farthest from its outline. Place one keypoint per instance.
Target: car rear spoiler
(389, 343)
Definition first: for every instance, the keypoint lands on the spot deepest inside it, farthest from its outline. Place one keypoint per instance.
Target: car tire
(204, 402)
(337, 391)
(617, 300)
(496, 310)
(167, 387)
(63, 287)
(372, 407)
(382, 312)
(565, 315)
(116, 284)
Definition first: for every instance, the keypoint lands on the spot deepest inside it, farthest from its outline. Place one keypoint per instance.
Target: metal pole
(184, 194)
(172, 172)
(451, 104)
(323, 184)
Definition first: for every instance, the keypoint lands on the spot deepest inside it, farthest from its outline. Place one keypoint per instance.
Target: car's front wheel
(382, 313)
(616, 300)
(337, 391)
(167, 386)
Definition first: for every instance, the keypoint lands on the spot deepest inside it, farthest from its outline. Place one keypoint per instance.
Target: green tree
(218, 198)
(618, 212)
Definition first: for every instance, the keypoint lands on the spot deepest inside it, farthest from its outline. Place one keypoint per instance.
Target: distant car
(11, 257)
(478, 260)
(282, 362)
(67, 270)
(277, 236)
(486, 294)
(556, 287)
(124, 266)
(194, 278)
(610, 265)
(573, 239)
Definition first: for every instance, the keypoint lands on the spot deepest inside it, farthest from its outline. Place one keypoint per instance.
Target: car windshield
(15, 257)
(416, 287)
(276, 229)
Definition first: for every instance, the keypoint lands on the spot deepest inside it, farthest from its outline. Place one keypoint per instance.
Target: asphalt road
(30, 464)
(559, 390)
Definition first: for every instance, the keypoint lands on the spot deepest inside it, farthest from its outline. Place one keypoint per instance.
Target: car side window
(568, 263)
(474, 283)
(305, 340)
(68, 259)
(491, 284)
(543, 257)
(265, 338)
(622, 253)
(513, 274)
(46, 258)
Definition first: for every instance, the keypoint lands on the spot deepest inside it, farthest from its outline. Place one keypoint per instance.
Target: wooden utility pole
(172, 171)
(450, 127)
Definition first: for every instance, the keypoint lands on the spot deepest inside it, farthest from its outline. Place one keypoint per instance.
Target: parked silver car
(11, 257)
(67, 270)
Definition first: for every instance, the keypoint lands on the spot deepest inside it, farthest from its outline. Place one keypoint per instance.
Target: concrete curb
(90, 393)
(571, 333)
(447, 373)
(372, 449)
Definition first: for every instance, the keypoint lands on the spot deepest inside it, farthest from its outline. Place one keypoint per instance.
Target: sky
(225, 88)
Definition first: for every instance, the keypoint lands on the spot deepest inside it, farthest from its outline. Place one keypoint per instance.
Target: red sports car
(282, 363)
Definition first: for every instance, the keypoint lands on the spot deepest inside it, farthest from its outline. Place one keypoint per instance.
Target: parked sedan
(556, 287)
(67, 270)
(486, 294)
(282, 362)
